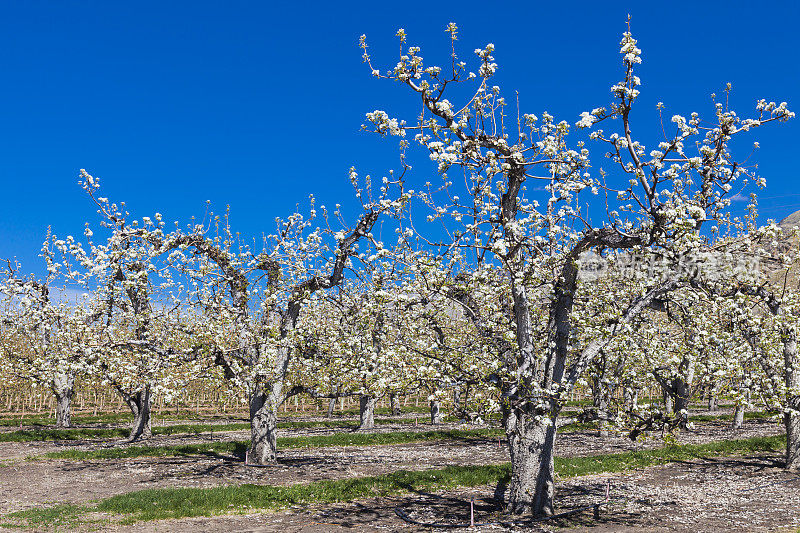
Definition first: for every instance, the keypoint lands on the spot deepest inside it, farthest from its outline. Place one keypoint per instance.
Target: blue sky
(256, 105)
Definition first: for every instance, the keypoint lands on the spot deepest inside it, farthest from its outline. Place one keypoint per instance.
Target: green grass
(56, 517)
(748, 415)
(312, 441)
(62, 434)
(153, 504)
(109, 418)
(43, 434)
(109, 433)
(183, 450)
(105, 418)
(618, 462)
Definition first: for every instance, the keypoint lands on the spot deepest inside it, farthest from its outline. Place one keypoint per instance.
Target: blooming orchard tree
(248, 303)
(765, 311)
(658, 201)
(47, 343)
(145, 336)
(343, 341)
(451, 356)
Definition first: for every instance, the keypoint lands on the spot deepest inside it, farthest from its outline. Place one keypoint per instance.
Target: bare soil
(712, 495)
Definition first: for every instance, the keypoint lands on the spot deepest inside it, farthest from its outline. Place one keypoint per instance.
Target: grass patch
(62, 434)
(183, 450)
(56, 517)
(748, 415)
(28, 435)
(313, 441)
(618, 462)
(177, 503)
(44, 434)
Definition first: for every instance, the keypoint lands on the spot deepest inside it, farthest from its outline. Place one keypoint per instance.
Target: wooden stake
(472, 512)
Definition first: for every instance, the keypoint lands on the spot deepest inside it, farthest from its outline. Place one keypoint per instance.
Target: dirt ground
(677, 497)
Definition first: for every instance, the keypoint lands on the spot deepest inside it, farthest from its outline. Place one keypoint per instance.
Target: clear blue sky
(258, 104)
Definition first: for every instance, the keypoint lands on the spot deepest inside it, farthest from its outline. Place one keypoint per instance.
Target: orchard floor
(749, 493)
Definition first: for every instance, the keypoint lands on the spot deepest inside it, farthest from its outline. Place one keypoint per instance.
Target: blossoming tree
(658, 200)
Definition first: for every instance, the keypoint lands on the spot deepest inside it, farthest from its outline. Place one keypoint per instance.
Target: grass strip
(28, 435)
(153, 504)
(45, 434)
(748, 415)
(619, 462)
(311, 441)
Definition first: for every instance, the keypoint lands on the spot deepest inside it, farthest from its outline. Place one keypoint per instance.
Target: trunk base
(532, 486)
(140, 406)
(263, 431)
(366, 412)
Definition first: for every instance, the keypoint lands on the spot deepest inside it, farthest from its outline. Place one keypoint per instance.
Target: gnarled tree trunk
(531, 442)
(366, 412)
(738, 416)
(669, 407)
(712, 401)
(331, 407)
(630, 398)
(394, 402)
(791, 415)
(64, 390)
(263, 429)
(64, 408)
(436, 413)
(139, 404)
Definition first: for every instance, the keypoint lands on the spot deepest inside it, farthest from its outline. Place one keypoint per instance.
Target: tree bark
(263, 429)
(394, 401)
(64, 408)
(64, 390)
(738, 416)
(791, 415)
(366, 412)
(669, 408)
(682, 397)
(331, 407)
(139, 404)
(436, 414)
(631, 398)
(531, 443)
(712, 401)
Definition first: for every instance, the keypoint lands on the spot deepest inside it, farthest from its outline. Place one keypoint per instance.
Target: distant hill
(790, 222)
(788, 243)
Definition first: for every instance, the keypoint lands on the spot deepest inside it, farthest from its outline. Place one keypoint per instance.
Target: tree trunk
(64, 408)
(738, 416)
(394, 401)
(331, 407)
(64, 390)
(668, 405)
(531, 443)
(712, 401)
(791, 415)
(366, 412)
(139, 404)
(682, 398)
(631, 398)
(263, 429)
(436, 414)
